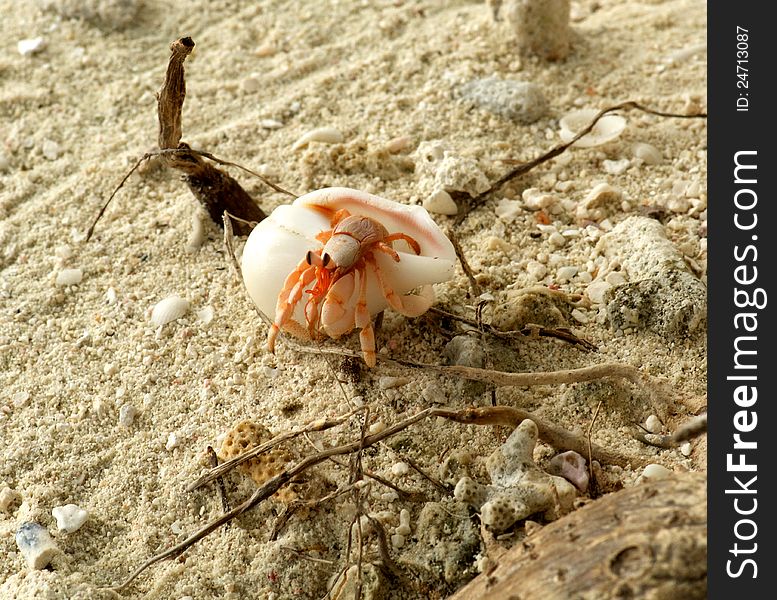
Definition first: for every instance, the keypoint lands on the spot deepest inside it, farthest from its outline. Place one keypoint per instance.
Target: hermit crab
(336, 257)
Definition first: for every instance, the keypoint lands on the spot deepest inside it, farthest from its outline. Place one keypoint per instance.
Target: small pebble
(686, 449)
(404, 523)
(522, 101)
(7, 498)
(69, 517)
(566, 273)
(536, 270)
(596, 290)
(571, 466)
(648, 153)
(399, 469)
(36, 544)
(251, 84)
(397, 540)
(557, 240)
(205, 315)
(579, 316)
(270, 124)
(508, 210)
(399, 144)
(69, 277)
(534, 199)
(30, 46)
(616, 167)
(441, 203)
(387, 383)
(127, 414)
(326, 135)
(172, 441)
(615, 278)
(50, 149)
(377, 427)
(653, 424)
(655, 471)
(678, 205)
(602, 194)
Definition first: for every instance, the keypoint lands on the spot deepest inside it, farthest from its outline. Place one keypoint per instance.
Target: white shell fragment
(648, 153)
(69, 277)
(30, 46)
(280, 242)
(327, 135)
(69, 517)
(169, 309)
(608, 128)
(655, 471)
(441, 203)
(36, 544)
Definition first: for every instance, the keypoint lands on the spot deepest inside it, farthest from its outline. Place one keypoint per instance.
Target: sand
(77, 113)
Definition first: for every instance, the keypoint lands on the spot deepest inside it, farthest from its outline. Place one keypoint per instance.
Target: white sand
(76, 115)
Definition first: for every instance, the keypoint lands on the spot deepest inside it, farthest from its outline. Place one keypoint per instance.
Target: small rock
(579, 316)
(251, 84)
(648, 153)
(69, 517)
(69, 277)
(536, 270)
(127, 414)
(663, 294)
(534, 199)
(30, 46)
(397, 540)
(326, 135)
(404, 523)
(172, 441)
(686, 449)
(399, 469)
(387, 383)
(616, 167)
(36, 544)
(596, 291)
(521, 101)
(653, 424)
(441, 203)
(615, 278)
(572, 467)
(655, 471)
(270, 124)
(566, 273)
(7, 498)
(50, 149)
(602, 195)
(508, 210)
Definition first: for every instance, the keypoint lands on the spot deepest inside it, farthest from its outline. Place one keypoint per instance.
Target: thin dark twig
(590, 451)
(90, 231)
(464, 264)
(525, 167)
(214, 462)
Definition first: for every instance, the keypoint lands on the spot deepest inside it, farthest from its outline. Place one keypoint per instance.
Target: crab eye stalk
(325, 259)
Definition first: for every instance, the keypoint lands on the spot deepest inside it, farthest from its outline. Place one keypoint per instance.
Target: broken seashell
(327, 135)
(608, 128)
(169, 309)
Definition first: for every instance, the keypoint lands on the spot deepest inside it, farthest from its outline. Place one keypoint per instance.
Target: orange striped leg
(363, 321)
(291, 293)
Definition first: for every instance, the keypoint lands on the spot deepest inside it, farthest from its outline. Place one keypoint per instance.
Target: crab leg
(289, 297)
(410, 305)
(363, 321)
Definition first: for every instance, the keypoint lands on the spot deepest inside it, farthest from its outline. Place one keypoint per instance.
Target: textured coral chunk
(519, 488)
(247, 435)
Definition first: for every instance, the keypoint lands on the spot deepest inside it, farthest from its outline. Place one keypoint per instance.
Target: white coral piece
(519, 488)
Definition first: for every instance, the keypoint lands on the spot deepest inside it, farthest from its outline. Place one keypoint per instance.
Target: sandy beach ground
(102, 409)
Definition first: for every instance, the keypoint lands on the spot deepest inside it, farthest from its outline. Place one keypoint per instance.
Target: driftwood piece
(215, 189)
(648, 541)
